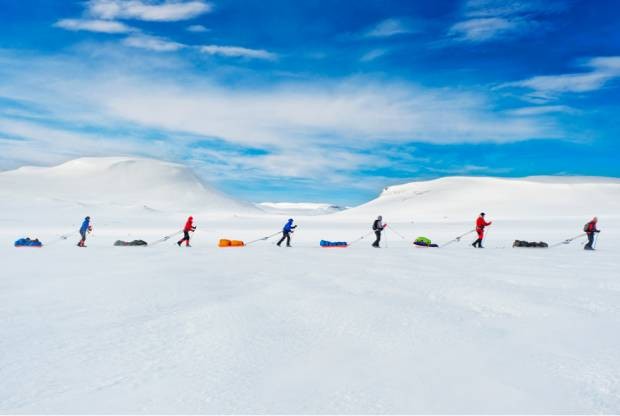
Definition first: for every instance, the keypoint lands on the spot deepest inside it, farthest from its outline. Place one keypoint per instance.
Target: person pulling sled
(287, 230)
(378, 227)
(590, 229)
(481, 223)
(85, 228)
(189, 227)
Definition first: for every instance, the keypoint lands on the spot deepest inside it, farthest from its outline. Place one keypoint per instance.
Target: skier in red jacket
(480, 224)
(590, 229)
(189, 226)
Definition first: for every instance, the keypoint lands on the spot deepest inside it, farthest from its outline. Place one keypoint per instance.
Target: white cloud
(238, 52)
(90, 25)
(152, 43)
(197, 29)
(488, 8)
(390, 27)
(547, 87)
(305, 123)
(541, 109)
(309, 114)
(373, 54)
(148, 10)
(483, 29)
(487, 20)
(41, 144)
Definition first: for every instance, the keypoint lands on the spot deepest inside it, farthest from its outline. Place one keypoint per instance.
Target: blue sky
(314, 100)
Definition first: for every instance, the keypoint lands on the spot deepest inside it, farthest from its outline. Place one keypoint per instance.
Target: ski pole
(263, 238)
(484, 237)
(568, 240)
(458, 238)
(595, 240)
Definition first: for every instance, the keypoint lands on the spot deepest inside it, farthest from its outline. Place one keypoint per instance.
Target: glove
(597, 231)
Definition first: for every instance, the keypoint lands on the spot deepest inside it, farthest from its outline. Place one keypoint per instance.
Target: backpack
(375, 226)
(586, 227)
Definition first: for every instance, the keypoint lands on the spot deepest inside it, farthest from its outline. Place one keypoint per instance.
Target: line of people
(590, 229)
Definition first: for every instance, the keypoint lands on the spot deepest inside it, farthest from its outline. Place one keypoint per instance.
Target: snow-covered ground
(263, 329)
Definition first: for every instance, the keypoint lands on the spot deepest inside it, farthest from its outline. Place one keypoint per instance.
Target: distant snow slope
(299, 208)
(116, 181)
(458, 198)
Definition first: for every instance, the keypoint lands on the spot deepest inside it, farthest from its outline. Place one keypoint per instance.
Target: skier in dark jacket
(189, 226)
(590, 229)
(86, 227)
(378, 227)
(286, 232)
(480, 224)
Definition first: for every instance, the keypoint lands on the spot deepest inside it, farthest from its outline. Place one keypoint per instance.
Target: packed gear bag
(27, 242)
(224, 242)
(424, 240)
(530, 244)
(134, 243)
(333, 244)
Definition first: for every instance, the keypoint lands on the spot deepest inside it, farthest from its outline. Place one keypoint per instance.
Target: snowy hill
(122, 182)
(299, 208)
(459, 198)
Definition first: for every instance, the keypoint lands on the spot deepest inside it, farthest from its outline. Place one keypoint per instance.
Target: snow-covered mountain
(299, 208)
(122, 182)
(146, 185)
(459, 198)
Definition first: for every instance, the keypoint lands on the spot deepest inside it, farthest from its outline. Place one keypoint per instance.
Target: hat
(482, 214)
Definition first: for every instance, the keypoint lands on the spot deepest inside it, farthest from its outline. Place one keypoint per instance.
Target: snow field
(263, 329)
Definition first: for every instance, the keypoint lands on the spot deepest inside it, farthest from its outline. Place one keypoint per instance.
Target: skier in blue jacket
(286, 232)
(86, 227)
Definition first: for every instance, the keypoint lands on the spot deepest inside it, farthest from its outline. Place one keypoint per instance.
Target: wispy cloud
(158, 11)
(152, 43)
(373, 54)
(599, 71)
(390, 27)
(541, 109)
(197, 29)
(487, 8)
(487, 28)
(238, 52)
(486, 20)
(93, 25)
